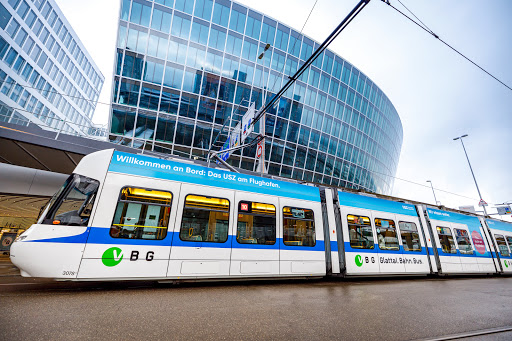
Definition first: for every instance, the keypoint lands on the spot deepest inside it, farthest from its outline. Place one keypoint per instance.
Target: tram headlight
(20, 238)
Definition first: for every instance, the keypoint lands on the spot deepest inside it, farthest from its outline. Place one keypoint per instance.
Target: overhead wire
(428, 30)
(422, 26)
(294, 43)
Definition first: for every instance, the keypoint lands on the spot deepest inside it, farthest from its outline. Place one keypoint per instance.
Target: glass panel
(205, 219)
(75, 206)
(199, 33)
(220, 14)
(502, 245)
(298, 227)
(141, 214)
(184, 6)
(180, 26)
(410, 236)
(203, 9)
(256, 223)
(446, 239)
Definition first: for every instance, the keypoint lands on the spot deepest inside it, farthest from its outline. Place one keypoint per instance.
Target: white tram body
(159, 219)
(501, 235)
(461, 243)
(122, 216)
(381, 237)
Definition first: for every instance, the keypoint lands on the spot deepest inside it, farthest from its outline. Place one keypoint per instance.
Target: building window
(141, 214)
(205, 219)
(256, 223)
(298, 227)
(446, 239)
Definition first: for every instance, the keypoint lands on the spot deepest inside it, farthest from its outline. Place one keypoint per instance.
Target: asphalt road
(406, 309)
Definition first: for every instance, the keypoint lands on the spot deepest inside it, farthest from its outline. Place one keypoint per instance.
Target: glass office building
(184, 68)
(46, 75)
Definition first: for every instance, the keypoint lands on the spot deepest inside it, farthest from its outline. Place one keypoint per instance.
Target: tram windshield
(360, 231)
(72, 205)
(446, 239)
(256, 223)
(386, 234)
(463, 241)
(410, 236)
(502, 245)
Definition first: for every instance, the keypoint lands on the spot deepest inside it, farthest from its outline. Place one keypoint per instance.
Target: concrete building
(47, 76)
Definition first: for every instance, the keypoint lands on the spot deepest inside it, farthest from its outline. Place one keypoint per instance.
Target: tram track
(475, 333)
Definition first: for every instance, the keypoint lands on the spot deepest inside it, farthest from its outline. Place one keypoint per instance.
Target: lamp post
(478, 189)
(433, 192)
(262, 130)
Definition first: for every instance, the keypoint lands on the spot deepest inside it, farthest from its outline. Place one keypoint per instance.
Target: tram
(123, 216)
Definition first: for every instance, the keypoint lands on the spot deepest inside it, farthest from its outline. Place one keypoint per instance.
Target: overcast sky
(437, 93)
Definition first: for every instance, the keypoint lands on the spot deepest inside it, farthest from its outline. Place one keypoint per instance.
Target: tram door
(201, 245)
(255, 246)
(412, 244)
(468, 261)
(391, 258)
(446, 247)
(361, 254)
(302, 247)
(129, 237)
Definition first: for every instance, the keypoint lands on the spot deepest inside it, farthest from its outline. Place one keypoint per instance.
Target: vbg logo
(359, 260)
(114, 255)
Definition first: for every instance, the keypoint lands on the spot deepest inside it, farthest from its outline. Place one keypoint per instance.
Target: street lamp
(478, 189)
(434, 192)
(261, 144)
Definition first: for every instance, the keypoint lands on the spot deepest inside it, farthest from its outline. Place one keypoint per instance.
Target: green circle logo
(359, 260)
(112, 256)
(506, 263)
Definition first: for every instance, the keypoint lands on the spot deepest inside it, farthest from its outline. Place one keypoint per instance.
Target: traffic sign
(259, 150)
(482, 203)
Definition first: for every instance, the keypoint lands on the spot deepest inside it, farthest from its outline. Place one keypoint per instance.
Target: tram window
(141, 214)
(73, 204)
(502, 245)
(386, 234)
(205, 219)
(446, 239)
(360, 231)
(465, 246)
(410, 236)
(298, 227)
(256, 223)
(509, 240)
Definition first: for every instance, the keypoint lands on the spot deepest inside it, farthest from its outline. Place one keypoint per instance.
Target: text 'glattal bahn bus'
(123, 216)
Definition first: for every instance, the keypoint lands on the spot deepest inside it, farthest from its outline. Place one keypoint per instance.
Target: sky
(438, 94)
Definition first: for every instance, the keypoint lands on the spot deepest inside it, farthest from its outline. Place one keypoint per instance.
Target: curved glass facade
(185, 68)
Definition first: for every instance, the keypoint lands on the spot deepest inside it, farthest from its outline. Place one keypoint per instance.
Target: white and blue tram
(121, 216)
